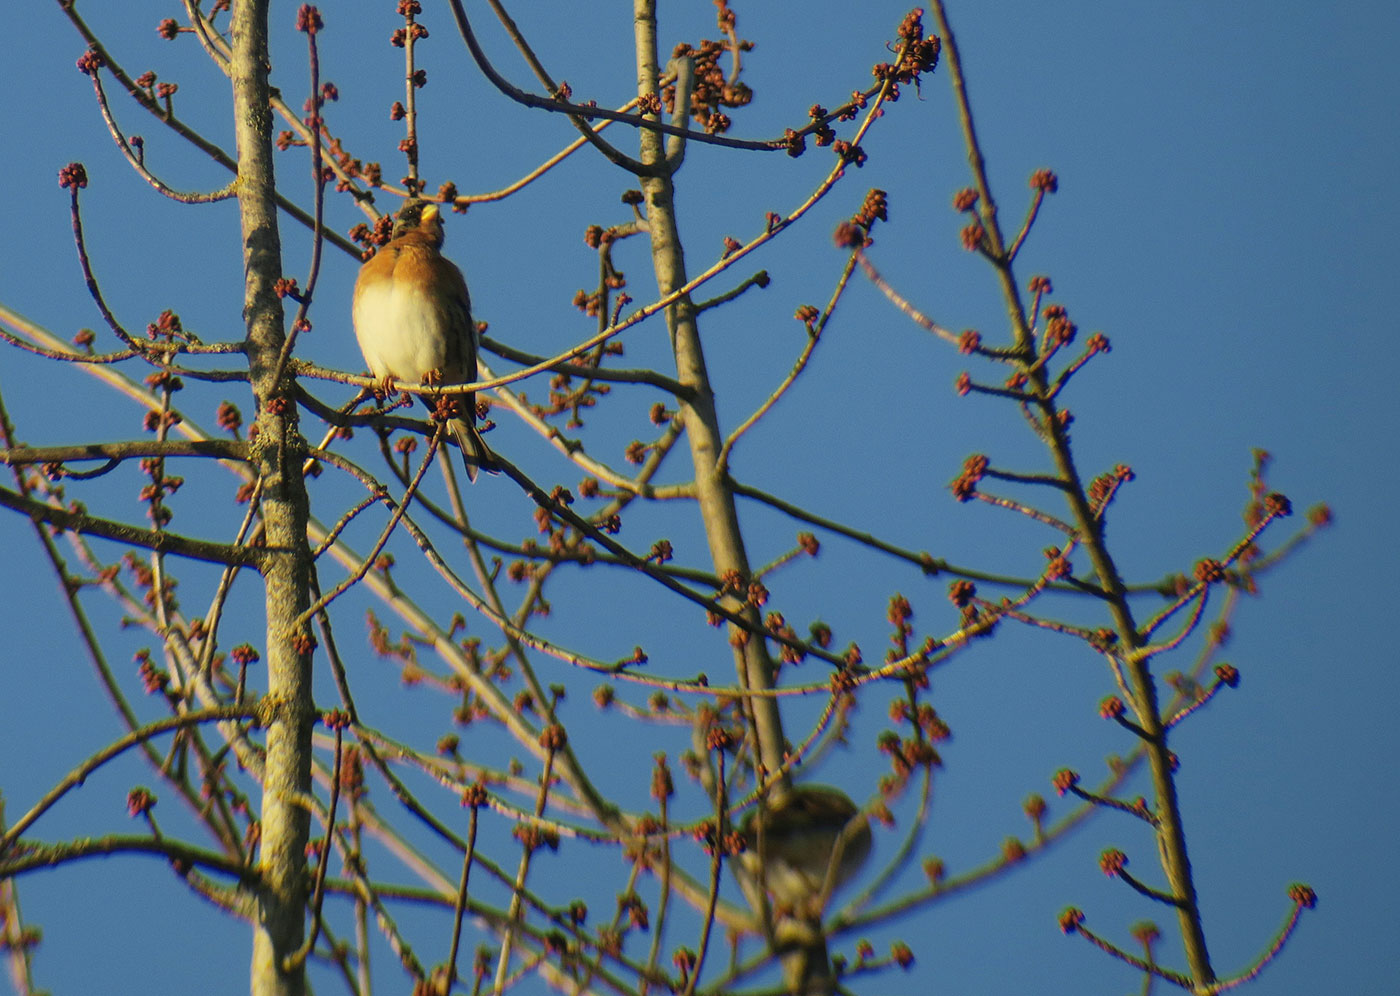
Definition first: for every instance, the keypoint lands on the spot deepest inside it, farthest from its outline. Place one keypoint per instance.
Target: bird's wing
(460, 327)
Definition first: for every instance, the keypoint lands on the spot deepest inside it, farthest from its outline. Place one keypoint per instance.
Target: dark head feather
(420, 216)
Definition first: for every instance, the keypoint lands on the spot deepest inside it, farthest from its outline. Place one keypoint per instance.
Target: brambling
(805, 844)
(413, 320)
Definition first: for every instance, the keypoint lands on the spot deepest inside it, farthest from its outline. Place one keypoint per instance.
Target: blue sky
(1226, 214)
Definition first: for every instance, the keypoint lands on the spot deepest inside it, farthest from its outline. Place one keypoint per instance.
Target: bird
(413, 320)
(799, 849)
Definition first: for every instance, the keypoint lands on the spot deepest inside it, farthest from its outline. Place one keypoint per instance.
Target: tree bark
(278, 451)
(713, 488)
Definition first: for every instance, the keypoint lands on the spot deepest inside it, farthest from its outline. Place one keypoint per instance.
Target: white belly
(400, 333)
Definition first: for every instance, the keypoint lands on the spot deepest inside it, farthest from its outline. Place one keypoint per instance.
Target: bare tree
(324, 809)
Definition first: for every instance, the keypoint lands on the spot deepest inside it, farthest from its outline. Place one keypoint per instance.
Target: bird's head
(420, 216)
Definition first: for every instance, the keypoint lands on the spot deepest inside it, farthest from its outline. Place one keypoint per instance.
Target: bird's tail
(475, 453)
(801, 948)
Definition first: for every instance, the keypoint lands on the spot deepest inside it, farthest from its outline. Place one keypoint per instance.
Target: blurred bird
(413, 320)
(805, 844)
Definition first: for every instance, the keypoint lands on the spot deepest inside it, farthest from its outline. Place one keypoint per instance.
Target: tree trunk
(278, 451)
